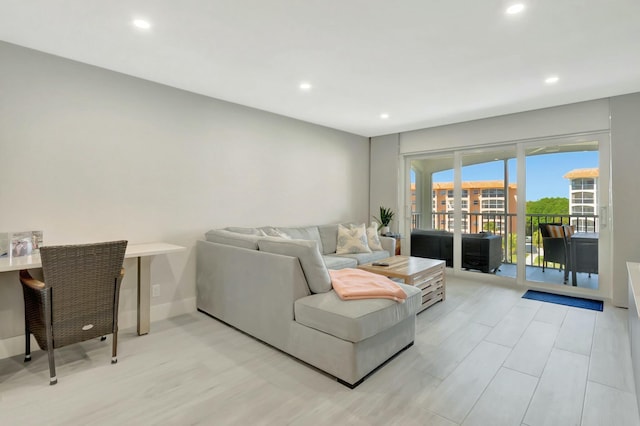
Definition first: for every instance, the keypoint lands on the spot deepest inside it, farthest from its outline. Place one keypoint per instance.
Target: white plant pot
(384, 230)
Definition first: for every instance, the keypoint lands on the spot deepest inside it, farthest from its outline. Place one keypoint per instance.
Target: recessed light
(515, 8)
(142, 24)
(552, 79)
(384, 115)
(305, 86)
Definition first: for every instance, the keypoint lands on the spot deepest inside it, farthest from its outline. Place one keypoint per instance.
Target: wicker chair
(78, 299)
(555, 248)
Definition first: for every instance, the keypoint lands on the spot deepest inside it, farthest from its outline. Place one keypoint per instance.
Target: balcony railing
(504, 224)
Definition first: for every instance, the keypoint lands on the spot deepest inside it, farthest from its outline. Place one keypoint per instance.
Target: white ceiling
(424, 62)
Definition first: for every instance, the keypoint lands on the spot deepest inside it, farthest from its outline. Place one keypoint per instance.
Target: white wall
(625, 158)
(88, 155)
(384, 177)
(583, 117)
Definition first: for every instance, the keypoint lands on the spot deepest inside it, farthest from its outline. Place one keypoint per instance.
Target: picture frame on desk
(24, 243)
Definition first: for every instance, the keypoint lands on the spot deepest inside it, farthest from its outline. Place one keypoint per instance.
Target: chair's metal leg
(114, 350)
(27, 343)
(52, 368)
(49, 330)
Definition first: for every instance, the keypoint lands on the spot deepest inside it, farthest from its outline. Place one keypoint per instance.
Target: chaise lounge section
(278, 290)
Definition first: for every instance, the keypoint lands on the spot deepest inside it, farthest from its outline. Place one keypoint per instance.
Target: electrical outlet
(155, 290)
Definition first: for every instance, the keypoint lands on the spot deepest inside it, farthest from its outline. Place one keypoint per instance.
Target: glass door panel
(488, 202)
(431, 179)
(562, 220)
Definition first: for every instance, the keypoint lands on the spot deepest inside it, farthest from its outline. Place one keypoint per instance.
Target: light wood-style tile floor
(483, 357)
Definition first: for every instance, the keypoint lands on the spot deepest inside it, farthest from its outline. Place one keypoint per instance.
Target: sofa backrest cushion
(270, 231)
(329, 237)
(223, 236)
(372, 237)
(433, 232)
(240, 230)
(304, 233)
(479, 235)
(308, 253)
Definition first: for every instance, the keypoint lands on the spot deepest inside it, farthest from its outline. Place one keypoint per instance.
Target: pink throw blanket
(353, 284)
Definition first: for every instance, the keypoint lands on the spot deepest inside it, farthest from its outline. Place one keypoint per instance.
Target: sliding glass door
(535, 211)
(565, 191)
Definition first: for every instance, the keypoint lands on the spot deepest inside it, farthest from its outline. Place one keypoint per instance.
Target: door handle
(604, 219)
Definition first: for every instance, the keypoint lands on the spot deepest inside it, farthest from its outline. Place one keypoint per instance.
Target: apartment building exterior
(483, 205)
(583, 198)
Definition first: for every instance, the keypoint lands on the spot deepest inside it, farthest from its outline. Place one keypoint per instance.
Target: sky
(544, 172)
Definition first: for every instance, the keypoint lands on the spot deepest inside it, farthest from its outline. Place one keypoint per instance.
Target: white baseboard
(128, 319)
(13, 346)
(173, 309)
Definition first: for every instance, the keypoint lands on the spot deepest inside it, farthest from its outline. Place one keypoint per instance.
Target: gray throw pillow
(304, 233)
(308, 253)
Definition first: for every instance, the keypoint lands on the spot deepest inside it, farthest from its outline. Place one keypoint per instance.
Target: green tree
(548, 206)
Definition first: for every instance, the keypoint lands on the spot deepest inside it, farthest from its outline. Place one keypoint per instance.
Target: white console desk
(143, 252)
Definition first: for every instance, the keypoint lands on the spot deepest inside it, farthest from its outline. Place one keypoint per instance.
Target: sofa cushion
(367, 257)
(352, 239)
(339, 262)
(222, 236)
(240, 230)
(355, 320)
(555, 231)
(308, 253)
(304, 233)
(329, 237)
(372, 237)
(569, 230)
(270, 231)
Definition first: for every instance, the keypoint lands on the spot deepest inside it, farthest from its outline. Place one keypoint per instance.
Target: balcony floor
(550, 275)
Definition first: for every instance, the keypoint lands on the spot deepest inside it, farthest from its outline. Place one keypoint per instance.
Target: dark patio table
(584, 254)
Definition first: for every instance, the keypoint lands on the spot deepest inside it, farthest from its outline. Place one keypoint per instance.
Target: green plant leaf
(386, 216)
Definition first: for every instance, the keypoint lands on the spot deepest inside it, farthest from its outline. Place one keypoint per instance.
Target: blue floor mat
(577, 302)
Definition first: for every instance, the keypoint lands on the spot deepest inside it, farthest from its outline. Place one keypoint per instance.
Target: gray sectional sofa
(279, 291)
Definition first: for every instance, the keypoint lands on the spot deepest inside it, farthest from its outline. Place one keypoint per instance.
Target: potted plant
(386, 216)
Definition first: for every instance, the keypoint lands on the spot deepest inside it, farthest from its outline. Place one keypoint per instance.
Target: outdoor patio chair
(78, 299)
(554, 244)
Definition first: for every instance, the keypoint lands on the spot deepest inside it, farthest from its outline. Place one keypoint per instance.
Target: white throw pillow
(373, 238)
(352, 239)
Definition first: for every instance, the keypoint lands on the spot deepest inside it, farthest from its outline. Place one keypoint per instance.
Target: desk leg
(144, 294)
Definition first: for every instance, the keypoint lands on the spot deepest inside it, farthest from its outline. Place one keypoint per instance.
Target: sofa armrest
(251, 290)
(388, 244)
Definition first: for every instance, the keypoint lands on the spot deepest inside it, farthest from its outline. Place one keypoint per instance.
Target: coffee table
(426, 274)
